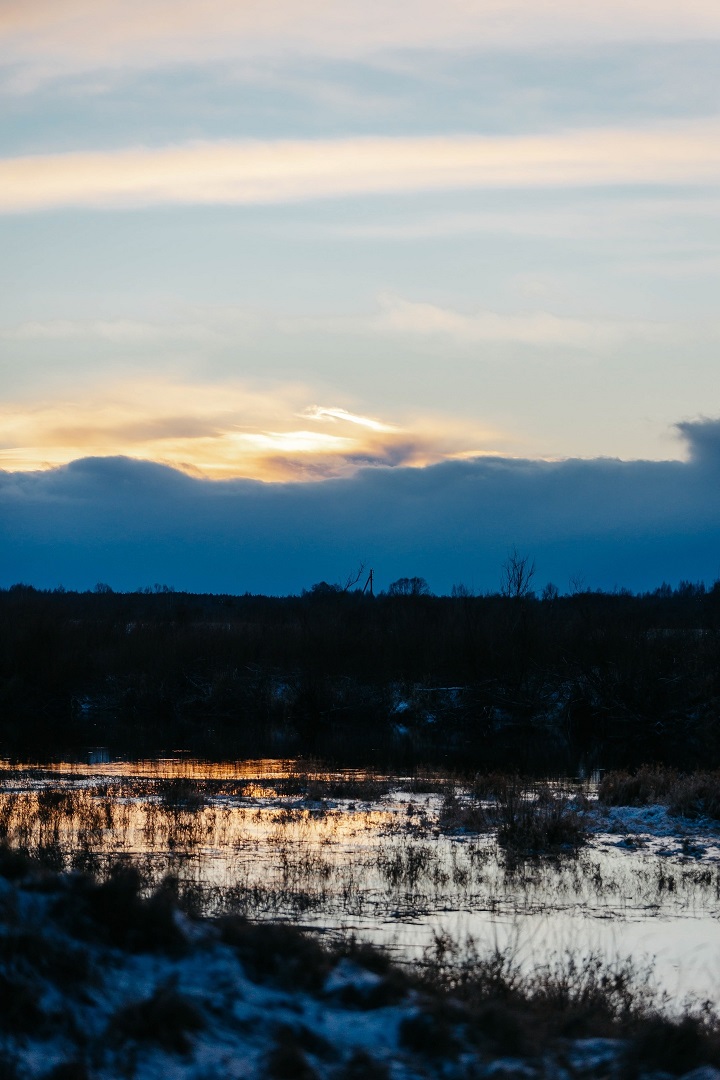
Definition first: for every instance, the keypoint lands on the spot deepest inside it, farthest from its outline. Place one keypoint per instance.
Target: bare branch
(517, 575)
(352, 579)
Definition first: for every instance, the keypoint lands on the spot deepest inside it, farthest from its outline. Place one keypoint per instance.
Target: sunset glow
(219, 433)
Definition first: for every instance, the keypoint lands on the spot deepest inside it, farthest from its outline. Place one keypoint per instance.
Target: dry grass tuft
(538, 820)
(694, 794)
(182, 793)
(531, 817)
(574, 996)
(463, 815)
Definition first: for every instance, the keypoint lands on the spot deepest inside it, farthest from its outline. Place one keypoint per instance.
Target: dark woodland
(504, 680)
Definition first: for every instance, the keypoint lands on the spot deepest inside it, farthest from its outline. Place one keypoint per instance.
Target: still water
(370, 854)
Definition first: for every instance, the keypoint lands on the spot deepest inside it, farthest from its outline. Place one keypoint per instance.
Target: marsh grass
(531, 817)
(310, 782)
(692, 795)
(496, 846)
(318, 787)
(183, 793)
(463, 815)
(538, 820)
(427, 780)
(572, 995)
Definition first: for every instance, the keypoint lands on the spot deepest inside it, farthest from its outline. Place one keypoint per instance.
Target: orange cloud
(221, 431)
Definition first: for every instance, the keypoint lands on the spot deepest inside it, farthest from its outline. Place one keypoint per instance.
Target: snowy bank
(98, 982)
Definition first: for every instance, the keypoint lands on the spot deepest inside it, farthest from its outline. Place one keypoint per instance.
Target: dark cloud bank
(131, 523)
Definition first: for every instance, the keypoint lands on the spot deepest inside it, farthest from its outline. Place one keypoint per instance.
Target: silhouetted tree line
(494, 680)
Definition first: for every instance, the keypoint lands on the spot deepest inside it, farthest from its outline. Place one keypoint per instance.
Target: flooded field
(423, 865)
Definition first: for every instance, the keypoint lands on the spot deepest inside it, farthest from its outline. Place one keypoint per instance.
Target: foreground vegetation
(99, 980)
(489, 681)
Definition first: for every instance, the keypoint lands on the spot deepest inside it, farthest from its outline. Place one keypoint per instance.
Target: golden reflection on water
(278, 837)
(395, 840)
(178, 766)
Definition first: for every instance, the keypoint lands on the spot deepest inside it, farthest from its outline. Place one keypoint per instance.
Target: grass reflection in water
(397, 860)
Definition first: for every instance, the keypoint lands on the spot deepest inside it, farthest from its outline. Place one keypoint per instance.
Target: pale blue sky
(491, 228)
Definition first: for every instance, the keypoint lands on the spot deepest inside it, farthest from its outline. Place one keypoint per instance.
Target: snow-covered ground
(655, 828)
(97, 984)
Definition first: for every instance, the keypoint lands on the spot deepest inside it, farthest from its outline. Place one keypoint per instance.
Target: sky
(377, 283)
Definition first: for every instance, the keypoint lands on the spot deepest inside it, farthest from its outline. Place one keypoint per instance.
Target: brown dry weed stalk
(530, 816)
(695, 794)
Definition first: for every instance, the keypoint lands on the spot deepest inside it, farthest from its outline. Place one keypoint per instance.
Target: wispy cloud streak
(54, 37)
(256, 173)
(401, 319)
(319, 412)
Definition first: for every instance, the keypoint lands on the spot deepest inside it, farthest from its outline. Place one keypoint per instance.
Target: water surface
(359, 852)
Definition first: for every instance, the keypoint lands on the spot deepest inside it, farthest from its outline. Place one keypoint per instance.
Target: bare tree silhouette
(517, 574)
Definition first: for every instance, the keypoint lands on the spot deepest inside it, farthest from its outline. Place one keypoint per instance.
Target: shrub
(694, 794)
(182, 793)
(118, 913)
(430, 1033)
(273, 952)
(648, 784)
(166, 1019)
(286, 1061)
(15, 864)
(675, 1045)
(538, 821)
(457, 815)
(361, 1066)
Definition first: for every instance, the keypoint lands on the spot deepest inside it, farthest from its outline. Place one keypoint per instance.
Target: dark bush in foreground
(274, 952)
(167, 1019)
(117, 912)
